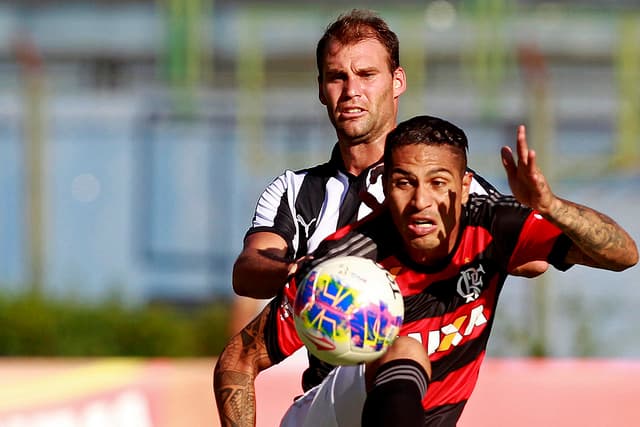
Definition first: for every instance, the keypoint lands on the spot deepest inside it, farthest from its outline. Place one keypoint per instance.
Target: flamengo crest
(470, 283)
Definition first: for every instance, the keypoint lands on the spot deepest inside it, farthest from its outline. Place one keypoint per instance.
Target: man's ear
(399, 82)
(321, 96)
(466, 186)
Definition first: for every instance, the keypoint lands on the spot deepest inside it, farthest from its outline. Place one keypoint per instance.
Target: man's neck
(358, 157)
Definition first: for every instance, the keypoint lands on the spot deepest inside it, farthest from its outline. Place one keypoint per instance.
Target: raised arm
(598, 241)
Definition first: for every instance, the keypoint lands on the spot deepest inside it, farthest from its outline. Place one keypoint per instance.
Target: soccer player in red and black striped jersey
(450, 251)
(360, 82)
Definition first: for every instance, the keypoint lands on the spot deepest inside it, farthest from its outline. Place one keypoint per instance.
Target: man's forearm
(234, 375)
(258, 274)
(236, 399)
(599, 237)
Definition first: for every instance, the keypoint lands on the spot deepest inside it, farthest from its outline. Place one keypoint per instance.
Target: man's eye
(332, 77)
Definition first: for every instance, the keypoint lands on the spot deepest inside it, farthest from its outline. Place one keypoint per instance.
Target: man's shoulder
(481, 208)
(491, 201)
(320, 170)
(289, 176)
(363, 237)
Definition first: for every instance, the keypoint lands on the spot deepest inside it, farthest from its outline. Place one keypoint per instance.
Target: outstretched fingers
(526, 156)
(508, 162)
(522, 147)
(521, 173)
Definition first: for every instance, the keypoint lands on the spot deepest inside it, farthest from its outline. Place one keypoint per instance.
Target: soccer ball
(348, 310)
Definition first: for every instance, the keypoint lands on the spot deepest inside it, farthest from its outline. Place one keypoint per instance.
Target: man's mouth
(422, 226)
(351, 112)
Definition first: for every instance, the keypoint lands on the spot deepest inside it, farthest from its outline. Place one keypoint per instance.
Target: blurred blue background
(136, 136)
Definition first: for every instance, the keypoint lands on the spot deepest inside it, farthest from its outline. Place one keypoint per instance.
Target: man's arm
(530, 269)
(244, 356)
(598, 241)
(261, 268)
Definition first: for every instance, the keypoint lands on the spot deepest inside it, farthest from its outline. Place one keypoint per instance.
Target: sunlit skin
(361, 95)
(426, 189)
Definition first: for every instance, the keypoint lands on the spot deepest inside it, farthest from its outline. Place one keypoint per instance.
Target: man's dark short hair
(354, 27)
(426, 130)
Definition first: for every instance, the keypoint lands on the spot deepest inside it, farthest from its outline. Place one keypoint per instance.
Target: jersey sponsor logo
(470, 283)
(305, 224)
(453, 334)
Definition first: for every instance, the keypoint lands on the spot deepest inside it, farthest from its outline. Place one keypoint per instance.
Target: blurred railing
(152, 160)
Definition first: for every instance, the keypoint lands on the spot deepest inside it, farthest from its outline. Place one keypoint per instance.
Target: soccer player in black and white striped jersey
(360, 82)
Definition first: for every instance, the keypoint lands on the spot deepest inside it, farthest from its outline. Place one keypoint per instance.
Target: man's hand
(295, 266)
(528, 185)
(598, 241)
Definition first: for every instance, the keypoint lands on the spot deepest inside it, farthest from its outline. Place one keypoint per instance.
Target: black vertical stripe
(349, 207)
(308, 206)
(283, 222)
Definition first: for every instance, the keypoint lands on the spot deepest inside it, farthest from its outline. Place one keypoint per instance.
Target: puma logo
(305, 225)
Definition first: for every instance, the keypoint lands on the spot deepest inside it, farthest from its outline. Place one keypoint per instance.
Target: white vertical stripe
(328, 220)
(269, 201)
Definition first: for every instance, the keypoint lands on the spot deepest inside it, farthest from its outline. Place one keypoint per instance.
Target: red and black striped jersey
(449, 307)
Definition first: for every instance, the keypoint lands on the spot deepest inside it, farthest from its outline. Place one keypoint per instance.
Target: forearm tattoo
(599, 237)
(244, 356)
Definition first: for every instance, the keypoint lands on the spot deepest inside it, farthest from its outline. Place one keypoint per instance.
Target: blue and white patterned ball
(348, 310)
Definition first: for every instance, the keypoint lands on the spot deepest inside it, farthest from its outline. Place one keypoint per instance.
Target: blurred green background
(136, 136)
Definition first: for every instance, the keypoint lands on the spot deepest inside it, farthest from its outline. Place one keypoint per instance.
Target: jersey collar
(337, 163)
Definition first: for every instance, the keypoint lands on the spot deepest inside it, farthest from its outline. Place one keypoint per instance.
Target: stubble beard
(361, 132)
(424, 251)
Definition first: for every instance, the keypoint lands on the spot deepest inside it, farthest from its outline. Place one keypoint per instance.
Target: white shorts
(336, 402)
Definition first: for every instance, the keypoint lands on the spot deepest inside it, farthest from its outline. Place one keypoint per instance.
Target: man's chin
(353, 130)
(422, 248)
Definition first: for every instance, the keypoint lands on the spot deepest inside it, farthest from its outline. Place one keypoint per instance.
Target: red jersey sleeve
(540, 240)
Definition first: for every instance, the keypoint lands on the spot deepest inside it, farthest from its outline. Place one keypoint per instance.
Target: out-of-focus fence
(136, 136)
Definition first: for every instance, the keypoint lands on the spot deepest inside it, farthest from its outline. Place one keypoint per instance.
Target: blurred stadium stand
(159, 129)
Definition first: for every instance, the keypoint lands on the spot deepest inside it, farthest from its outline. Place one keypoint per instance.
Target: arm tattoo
(234, 376)
(600, 240)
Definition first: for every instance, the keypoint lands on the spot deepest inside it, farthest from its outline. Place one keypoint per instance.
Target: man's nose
(352, 87)
(422, 197)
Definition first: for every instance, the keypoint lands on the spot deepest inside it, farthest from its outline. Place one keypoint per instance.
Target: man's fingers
(531, 162)
(507, 160)
(522, 146)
